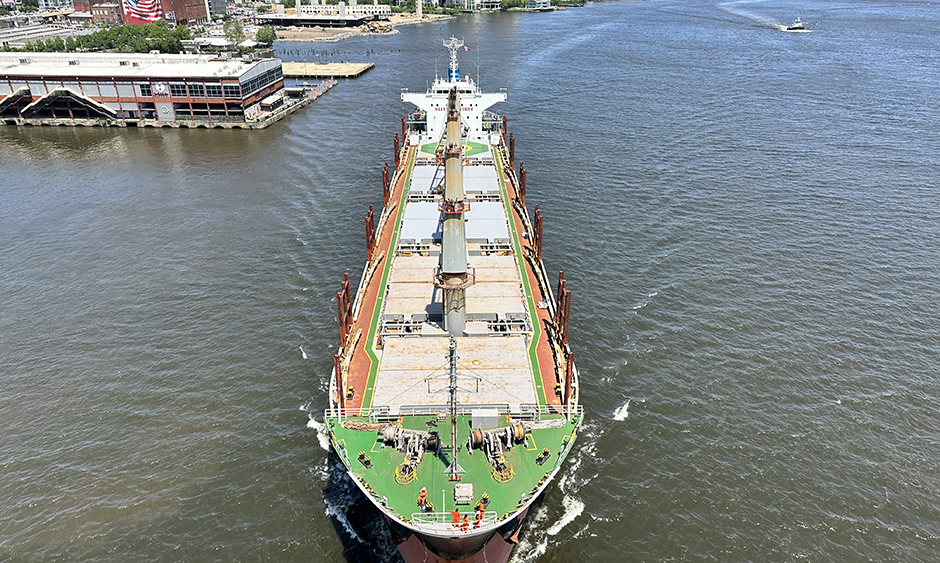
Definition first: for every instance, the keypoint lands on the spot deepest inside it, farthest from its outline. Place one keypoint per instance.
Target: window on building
(178, 90)
(145, 90)
(261, 81)
(214, 90)
(232, 92)
(197, 90)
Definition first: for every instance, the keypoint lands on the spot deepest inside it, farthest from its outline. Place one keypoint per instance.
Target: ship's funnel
(453, 276)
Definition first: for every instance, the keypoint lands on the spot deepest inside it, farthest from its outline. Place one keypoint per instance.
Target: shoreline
(326, 35)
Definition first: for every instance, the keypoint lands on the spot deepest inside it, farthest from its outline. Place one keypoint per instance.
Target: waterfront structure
(315, 7)
(314, 20)
(477, 5)
(315, 13)
(454, 394)
(19, 36)
(55, 5)
(139, 88)
(538, 5)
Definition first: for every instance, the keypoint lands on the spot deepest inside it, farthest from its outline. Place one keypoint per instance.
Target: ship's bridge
(473, 104)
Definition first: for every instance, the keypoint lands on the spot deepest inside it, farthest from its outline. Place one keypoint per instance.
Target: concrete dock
(325, 70)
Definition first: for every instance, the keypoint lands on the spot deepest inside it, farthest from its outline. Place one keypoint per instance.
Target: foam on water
(338, 511)
(573, 508)
(623, 412)
(533, 544)
(737, 9)
(322, 435)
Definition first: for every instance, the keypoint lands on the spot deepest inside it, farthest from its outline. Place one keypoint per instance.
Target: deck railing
(442, 411)
(443, 521)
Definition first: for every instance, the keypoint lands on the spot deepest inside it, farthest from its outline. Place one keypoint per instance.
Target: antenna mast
(454, 44)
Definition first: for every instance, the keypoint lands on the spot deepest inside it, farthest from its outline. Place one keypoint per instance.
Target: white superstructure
(473, 102)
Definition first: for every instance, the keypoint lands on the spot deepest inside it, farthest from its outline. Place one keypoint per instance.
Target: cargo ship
(454, 394)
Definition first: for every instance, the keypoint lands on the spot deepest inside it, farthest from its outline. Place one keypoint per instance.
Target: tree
(266, 35)
(233, 31)
(182, 33)
(124, 39)
(262, 9)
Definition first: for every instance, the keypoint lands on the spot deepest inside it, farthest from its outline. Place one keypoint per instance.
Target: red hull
(496, 550)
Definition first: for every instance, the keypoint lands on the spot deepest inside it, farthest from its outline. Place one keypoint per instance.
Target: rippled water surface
(748, 219)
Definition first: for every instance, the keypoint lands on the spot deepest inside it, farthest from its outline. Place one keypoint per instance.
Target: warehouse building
(188, 90)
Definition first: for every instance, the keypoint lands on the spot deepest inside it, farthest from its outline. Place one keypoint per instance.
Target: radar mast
(453, 73)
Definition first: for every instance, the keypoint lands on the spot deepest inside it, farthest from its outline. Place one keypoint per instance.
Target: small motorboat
(797, 26)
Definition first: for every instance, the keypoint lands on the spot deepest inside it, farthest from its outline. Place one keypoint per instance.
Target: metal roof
(144, 66)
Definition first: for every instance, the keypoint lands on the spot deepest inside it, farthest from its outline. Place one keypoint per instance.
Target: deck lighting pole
(454, 468)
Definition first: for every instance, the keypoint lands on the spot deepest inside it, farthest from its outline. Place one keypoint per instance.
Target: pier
(325, 70)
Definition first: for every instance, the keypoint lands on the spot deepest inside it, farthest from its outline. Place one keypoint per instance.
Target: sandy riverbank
(296, 34)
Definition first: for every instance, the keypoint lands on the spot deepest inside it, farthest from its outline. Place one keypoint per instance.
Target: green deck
(402, 499)
(472, 149)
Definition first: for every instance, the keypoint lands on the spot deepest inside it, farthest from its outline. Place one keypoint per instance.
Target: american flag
(144, 11)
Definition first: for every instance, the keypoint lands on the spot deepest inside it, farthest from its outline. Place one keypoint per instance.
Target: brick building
(107, 13)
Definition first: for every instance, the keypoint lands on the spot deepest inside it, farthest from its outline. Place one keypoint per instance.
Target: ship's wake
(359, 525)
(539, 535)
(738, 9)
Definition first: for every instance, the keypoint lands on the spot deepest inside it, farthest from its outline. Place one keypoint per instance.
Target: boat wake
(737, 8)
(534, 541)
(537, 539)
(359, 524)
(573, 509)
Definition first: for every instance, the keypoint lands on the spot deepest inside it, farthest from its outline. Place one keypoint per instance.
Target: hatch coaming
(496, 301)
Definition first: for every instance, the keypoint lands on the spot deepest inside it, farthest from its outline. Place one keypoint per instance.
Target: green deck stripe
(369, 392)
(520, 262)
